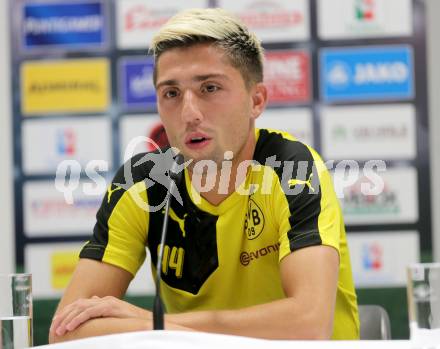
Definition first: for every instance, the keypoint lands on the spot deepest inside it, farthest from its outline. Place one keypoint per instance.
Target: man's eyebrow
(172, 82)
(166, 83)
(210, 76)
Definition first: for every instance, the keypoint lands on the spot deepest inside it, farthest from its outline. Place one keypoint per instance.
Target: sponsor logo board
(366, 73)
(287, 76)
(273, 20)
(63, 265)
(138, 132)
(47, 214)
(52, 264)
(138, 20)
(65, 86)
(373, 257)
(47, 142)
(364, 18)
(63, 24)
(396, 201)
(369, 132)
(136, 83)
(296, 121)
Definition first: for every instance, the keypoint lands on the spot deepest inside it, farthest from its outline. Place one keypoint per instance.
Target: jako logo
(368, 73)
(247, 257)
(339, 74)
(380, 73)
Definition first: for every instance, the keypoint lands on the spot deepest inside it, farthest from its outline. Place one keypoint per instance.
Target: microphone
(158, 306)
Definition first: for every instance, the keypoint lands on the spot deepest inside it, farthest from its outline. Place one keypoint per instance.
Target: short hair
(217, 26)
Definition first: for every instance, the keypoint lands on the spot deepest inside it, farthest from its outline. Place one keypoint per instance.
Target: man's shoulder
(141, 167)
(281, 145)
(132, 171)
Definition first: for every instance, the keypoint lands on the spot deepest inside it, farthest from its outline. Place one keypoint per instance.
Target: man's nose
(191, 112)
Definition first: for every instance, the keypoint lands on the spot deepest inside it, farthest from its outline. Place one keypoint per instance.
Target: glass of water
(423, 289)
(15, 311)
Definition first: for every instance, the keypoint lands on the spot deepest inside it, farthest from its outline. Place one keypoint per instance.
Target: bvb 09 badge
(254, 220)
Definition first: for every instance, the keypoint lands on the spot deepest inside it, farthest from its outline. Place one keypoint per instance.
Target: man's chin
(203, 165)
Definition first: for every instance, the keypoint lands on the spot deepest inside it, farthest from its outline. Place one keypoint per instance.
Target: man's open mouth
(197, 140)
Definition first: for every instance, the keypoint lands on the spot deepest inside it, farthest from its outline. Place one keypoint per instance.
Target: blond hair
(216, 26)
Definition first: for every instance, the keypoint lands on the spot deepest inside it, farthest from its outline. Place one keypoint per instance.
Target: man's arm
(309, 278)
(110, 325)
(91, 279)
(103, 326)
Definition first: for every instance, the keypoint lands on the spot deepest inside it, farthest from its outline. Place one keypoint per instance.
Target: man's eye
(170, 94)
(210, 88)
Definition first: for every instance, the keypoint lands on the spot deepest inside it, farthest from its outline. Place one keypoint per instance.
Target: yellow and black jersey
(227, 256)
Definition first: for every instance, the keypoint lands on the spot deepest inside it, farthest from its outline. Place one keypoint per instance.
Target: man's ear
(259, 99)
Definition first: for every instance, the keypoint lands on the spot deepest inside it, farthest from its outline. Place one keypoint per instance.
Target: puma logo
(292, 182)
(110, 191)
(180, 221)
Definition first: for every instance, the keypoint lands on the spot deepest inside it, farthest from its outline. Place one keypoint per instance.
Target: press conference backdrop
(347, 77)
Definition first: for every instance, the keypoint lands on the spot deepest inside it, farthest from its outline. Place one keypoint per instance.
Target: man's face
(204, 104)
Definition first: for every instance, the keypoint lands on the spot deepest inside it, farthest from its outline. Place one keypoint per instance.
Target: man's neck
(223, 187)
(226, 186)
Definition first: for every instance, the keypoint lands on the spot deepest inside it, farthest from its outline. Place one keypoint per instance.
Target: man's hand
(82, 310)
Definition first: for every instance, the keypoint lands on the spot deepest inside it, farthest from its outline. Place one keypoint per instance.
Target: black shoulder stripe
(300, 182)
(128, 174)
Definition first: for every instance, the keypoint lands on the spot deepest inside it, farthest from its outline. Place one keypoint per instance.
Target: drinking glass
(423, 290)
(15, 311)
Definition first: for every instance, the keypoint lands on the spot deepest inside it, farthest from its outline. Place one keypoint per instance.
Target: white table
(198, 340)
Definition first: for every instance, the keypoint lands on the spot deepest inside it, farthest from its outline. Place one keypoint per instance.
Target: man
(257, 245)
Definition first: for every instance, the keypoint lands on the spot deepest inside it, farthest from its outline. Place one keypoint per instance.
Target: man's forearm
(103, 326)
(282, 319)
